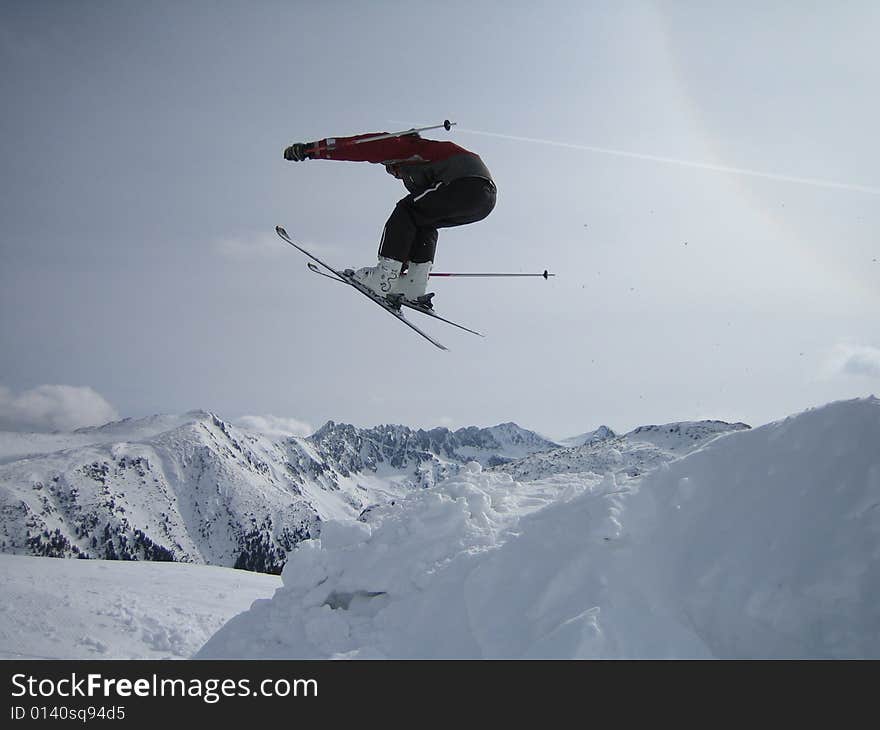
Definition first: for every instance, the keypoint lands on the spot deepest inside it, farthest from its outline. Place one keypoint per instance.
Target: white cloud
(53, 408)
(861, 360)
(275, 425)
(258, 245)
(264, 245)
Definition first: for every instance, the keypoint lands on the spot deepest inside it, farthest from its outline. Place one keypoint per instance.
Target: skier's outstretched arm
(384, 151)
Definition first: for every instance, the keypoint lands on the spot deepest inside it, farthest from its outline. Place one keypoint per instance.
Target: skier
(448, 186)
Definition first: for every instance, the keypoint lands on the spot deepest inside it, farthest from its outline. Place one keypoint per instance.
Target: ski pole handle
(447, 125)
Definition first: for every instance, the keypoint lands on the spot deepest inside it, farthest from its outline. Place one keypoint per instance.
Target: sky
(702, 178)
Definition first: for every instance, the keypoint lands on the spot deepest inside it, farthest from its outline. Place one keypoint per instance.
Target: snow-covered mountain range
(628, 455)
(195, 488)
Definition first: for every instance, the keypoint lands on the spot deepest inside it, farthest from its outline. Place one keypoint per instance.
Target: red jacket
(419, 163)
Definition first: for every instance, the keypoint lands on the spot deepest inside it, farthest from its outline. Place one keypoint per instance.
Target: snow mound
(760, 544)
(400, 584)
(769, 540)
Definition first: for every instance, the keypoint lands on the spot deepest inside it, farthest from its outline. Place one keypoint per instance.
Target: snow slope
(758, 543)
(15, 445)
(99, 609)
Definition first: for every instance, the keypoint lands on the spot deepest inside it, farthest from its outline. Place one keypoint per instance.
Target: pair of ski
(392, 307)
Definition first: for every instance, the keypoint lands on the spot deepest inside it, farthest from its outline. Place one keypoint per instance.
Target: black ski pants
(411, 231)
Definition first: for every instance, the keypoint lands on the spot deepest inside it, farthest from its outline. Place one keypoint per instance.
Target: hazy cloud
(267, 245)
(275, 425)
(861, 360)
(53, 408)
(258, 245)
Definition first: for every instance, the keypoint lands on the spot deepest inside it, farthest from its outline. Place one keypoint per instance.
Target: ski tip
(280, 231)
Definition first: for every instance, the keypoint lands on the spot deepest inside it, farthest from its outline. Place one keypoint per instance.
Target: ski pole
(447, 125)
(545, 275)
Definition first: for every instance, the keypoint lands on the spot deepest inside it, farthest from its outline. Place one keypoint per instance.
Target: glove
(298, 152)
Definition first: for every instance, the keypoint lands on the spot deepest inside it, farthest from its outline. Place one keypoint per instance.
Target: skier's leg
(463, 201)
(414, 283)
(399, 232)
(424, 245)
(411, 231)
(416, 217)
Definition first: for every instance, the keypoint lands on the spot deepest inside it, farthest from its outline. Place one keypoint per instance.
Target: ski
(431, 313)
(415, 307)
(385, 305)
